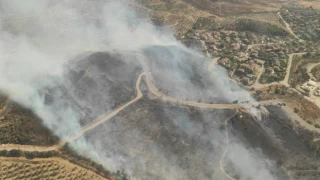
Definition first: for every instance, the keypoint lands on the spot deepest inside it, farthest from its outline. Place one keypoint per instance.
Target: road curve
(288, 27)
(285, 81)
(310, 67)
(105, 117)
(153, 89)
(286, 78)
(226, 150)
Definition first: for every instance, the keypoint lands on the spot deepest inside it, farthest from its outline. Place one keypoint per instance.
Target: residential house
(276, 68)
(224, 61)
(245, 80)
(269, 70)
(259, 61)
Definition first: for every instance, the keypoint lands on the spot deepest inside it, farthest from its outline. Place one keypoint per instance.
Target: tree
(29, 155)
(16, 153)
(308, 54)
(4, 153)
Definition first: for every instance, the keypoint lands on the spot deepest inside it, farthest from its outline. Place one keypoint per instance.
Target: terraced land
(51, 168)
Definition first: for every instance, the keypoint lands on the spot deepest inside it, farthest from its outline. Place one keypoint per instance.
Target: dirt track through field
(155, 91)
(288, 27)
(226, 150)
(29, 148)
(106, 117)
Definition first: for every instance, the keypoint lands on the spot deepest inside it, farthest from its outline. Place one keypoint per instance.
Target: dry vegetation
(176, 15)
(298, 71)
(3, 103)
(51, 168)
(304, 108)
(269, 17)
(182, 15)
(316, 72)
(21, 126)
(314, 3)
(234, 7)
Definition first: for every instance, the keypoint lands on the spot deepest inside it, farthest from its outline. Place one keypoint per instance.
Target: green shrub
(260, 27)
(4, 153)
(15, 153)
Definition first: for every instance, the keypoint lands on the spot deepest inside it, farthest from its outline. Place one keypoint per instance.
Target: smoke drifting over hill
(41, 40)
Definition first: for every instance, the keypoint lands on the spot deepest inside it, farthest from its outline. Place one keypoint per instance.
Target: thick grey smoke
(39, 38)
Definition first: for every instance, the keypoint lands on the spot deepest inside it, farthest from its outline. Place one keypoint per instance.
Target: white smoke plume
(39, 38)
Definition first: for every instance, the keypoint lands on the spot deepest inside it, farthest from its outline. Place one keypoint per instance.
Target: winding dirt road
(226, 150)
(295, 117)
(167, 98)
(286, 78)
(153, 89)
(285, 81)
(288, 27)
(310, 66)
(103, 118)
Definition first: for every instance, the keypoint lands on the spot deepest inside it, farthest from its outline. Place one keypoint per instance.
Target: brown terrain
(316, 72)
(149, 111)
(182, 15)
(32, 152)
(311, 3)
(145, 116)
(49, 168)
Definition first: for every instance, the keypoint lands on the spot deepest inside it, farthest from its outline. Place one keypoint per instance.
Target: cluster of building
(247, 55)
(216, 41)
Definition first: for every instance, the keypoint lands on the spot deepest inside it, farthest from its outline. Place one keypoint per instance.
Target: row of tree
(260, 27)
(28, 154)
